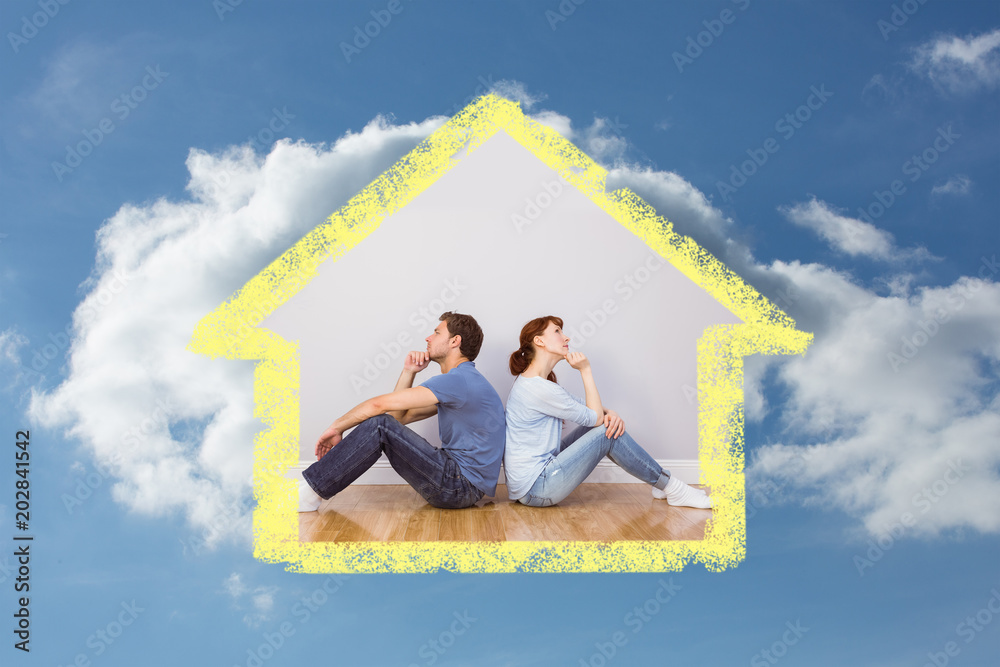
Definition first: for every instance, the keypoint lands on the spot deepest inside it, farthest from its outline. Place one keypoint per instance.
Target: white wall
(455, 247)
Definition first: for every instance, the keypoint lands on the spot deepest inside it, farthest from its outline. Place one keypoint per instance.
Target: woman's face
(553, 340)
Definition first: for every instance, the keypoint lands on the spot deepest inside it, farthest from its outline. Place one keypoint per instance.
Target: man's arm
(417, 414)
(415, 362)
(403, 401)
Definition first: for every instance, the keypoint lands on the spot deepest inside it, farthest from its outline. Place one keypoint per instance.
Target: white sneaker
(309, 500)
(680, 494)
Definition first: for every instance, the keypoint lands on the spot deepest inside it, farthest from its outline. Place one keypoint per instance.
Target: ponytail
(520, 359)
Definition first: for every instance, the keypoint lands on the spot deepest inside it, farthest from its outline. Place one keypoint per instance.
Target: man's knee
(380, 422)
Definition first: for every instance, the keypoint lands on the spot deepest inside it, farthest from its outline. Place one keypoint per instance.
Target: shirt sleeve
(551, 399)
(448, 388)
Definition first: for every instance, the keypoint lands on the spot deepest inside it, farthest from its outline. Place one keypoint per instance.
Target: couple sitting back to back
(542, 467)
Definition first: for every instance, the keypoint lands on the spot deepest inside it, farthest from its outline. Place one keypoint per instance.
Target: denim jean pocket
(451, 470)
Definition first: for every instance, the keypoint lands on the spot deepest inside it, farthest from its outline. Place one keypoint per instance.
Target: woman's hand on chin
(578, 360)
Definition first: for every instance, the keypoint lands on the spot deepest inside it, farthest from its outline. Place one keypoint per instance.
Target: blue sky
(840, 442)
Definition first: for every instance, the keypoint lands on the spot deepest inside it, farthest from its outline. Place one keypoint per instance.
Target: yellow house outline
(232, 331)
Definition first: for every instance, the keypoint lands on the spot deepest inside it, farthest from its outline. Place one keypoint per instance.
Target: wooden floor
(593, 512)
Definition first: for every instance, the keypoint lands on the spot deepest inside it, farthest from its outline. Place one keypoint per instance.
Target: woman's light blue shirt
(535, 411)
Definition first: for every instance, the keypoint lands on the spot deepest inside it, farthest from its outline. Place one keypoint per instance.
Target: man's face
(437, 342)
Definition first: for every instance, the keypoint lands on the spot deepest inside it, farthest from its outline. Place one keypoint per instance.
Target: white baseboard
(607, 472)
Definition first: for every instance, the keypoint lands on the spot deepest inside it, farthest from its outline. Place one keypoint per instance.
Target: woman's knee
(599, 438)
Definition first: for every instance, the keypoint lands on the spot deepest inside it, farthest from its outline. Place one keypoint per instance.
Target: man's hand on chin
(416, 361)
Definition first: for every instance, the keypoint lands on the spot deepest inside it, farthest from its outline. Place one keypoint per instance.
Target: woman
(542, 468)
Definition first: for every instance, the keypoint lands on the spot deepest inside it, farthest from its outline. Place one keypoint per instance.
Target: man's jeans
(428, 469)
(580, 452)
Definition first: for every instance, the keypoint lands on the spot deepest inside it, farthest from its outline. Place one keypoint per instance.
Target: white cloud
(879, 85)
(960, 65)
(516, 92)
(234, 586)
(79, 83)
(261, 600)
(176, 429)
(882, 434)
(684, 205)
(11, 342)
(956, 185)
(864, 437)
(894, 392)
(849, 235)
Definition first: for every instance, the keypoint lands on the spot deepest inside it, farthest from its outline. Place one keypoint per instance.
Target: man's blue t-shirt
(471, 423)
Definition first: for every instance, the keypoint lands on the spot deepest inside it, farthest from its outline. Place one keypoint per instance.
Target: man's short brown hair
(465, 326)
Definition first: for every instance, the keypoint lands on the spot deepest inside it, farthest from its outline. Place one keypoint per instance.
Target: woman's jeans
(580, 452)
(428, 469)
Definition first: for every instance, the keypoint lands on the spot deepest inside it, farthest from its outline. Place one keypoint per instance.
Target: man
(470, 422)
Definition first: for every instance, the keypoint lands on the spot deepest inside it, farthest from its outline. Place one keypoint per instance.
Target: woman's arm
(580, 362)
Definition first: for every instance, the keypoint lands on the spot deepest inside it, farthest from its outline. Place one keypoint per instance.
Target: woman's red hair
(521, 358)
